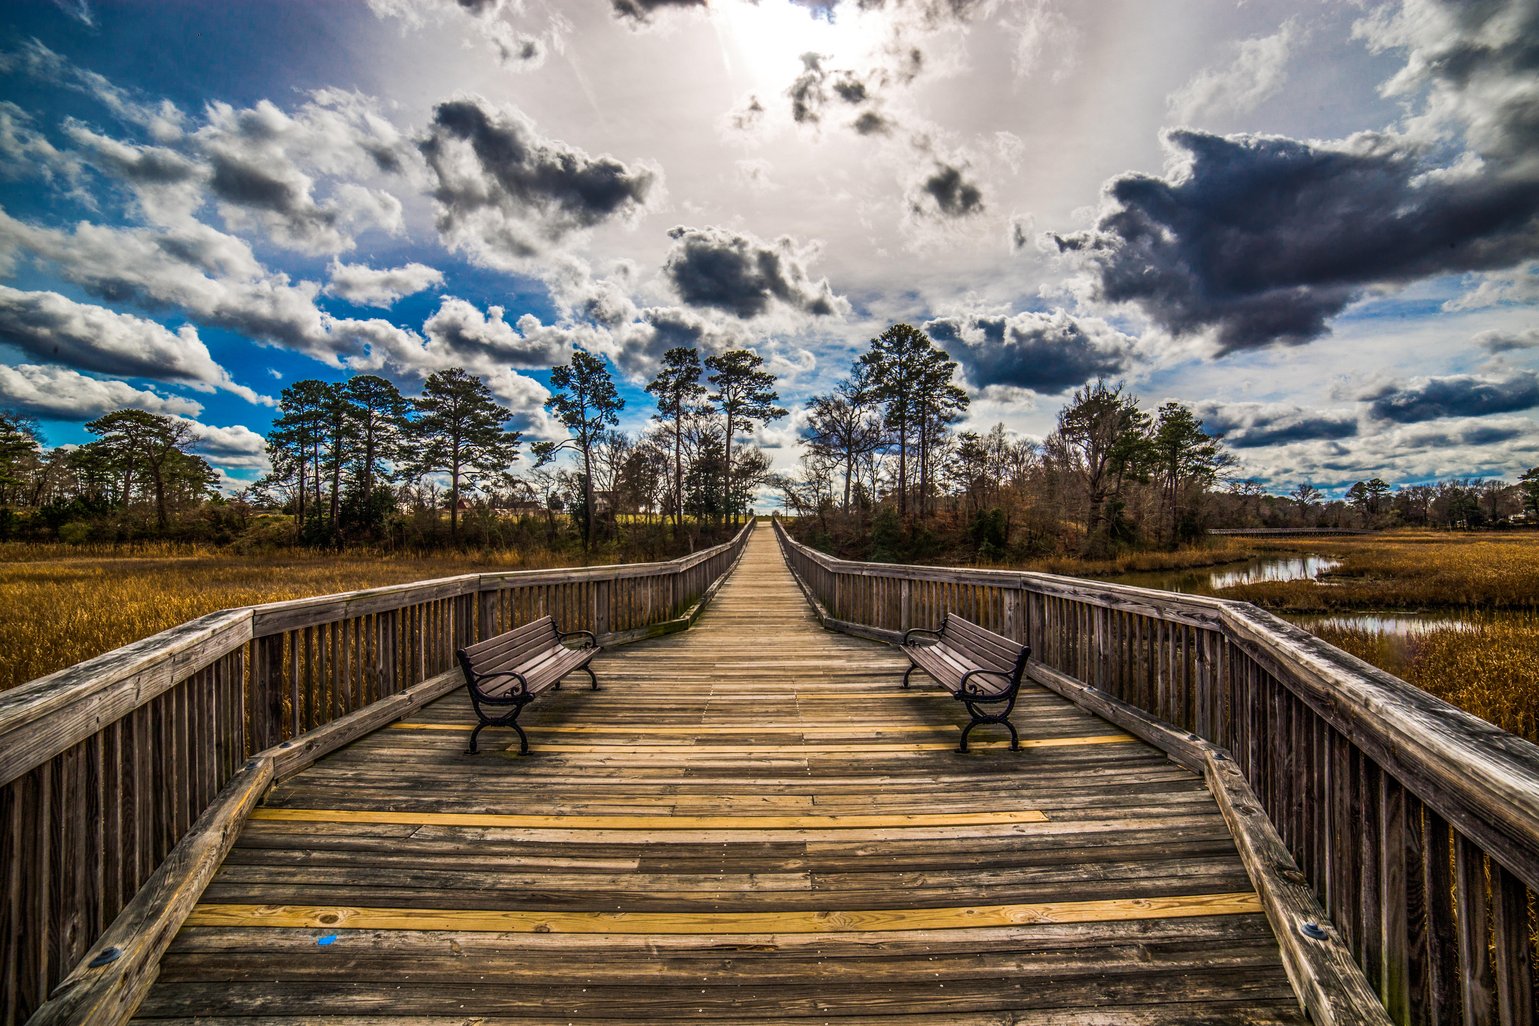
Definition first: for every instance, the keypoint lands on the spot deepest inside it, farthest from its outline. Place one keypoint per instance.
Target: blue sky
(1316, 223)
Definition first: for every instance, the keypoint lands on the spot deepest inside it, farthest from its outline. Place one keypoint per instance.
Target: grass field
(60, 604)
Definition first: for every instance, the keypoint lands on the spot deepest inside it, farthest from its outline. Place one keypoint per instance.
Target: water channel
(1401, 624)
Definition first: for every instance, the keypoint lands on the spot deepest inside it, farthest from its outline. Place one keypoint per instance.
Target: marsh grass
(1487, 667)
(1408, 571)
(1213, 552)
(60, 604)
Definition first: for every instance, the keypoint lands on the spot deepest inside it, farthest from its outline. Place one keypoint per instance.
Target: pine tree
(144, 442)
(587, 403)
(459, 430)
(678, 392)
(744, 395)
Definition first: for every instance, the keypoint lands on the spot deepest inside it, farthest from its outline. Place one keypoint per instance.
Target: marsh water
(1211, 580)
(1208, 580)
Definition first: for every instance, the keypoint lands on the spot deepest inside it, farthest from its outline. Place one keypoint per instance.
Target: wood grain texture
(748, 823)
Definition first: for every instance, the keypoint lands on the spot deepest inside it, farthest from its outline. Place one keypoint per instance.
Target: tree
(460, 430)
(894, 364)
(1185, 456)
(1101, 435)
(587, 403)
(141, 441)
(678, 392)
(1528, 483)
(744, 395)
(938, 402)
(842, 425)
(294, 443)
(20, 456)
(377, 413)
(1368, 497)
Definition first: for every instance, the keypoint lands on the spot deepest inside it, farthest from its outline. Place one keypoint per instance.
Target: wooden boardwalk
(751, 823)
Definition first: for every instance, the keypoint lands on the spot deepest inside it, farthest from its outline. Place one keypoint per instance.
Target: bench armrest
(972, 691)
(934, 631)
(523, 682)
(592, 639)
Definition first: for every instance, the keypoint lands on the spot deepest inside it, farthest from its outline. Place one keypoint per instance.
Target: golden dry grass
(1488, 668)
(60, 604)
(1409, 570)
(1213, 552)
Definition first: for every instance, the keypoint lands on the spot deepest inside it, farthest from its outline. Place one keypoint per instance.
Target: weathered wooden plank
(129, 951)
(723, 923)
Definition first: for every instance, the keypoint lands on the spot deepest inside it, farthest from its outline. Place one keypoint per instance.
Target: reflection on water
(1301, 568)
(1208, 580)
(1399, 624)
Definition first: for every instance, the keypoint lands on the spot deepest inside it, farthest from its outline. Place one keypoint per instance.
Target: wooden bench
(981, 669)
(513, 669)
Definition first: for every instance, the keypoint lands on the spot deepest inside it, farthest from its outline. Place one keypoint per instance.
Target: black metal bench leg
(911, 668)
(965, 731)
(473, 735)
(589, 671)
(523, 739)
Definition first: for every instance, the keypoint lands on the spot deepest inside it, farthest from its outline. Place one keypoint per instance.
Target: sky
(1317, 224)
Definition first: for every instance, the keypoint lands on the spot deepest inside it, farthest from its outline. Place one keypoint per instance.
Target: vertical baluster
(1477, 975)
(1513, 932)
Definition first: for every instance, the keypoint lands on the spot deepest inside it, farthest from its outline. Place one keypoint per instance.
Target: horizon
(1315, 225)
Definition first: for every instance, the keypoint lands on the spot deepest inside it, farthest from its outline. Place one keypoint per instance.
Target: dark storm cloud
(1020, 232)
(951, 194)
(807, 94)
(718, 268)
(1253, 425)
(1455, 396)
(1263, 239)
(872, 123)
(248, 185)
(642, 10)
(517, 191)
(1497, 342)
(1047, 353)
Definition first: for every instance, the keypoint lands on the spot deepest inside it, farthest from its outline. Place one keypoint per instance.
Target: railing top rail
(1479, 777)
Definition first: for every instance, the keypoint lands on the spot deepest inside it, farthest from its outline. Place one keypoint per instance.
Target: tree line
(882, 458)
(885, 470)
(884, 474)
(358, 462)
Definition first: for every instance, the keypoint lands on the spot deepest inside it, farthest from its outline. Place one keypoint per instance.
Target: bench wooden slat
(493, 647)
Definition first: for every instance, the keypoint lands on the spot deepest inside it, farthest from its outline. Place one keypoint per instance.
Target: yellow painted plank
(859, 746)
(762, 728)
(722, 923)
(622, 822)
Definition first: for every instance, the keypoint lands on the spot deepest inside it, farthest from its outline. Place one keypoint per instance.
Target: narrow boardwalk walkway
(751, 823)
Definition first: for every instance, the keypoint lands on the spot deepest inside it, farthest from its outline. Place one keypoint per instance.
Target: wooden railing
(107, 766)
(1415, 824)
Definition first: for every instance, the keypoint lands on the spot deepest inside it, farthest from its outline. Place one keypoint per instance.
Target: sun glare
(763, 42)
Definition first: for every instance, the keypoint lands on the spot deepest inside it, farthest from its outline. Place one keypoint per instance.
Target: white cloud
(58, 392)
(1257, 73)
(54, 327)
(368, 286)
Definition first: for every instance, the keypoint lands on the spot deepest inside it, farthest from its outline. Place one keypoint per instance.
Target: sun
(763, 42)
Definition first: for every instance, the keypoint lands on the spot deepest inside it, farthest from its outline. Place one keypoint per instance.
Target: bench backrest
(984, 647)
(511, 649)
